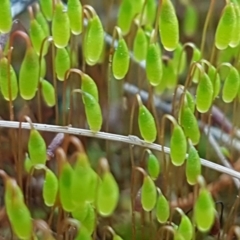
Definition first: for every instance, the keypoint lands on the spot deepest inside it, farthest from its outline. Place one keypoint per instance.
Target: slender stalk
(209, 14)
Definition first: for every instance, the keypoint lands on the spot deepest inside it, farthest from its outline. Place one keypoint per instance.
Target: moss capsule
(50, 188)
(47, 9)
(48, 93)
(204, 211)
(146, 124)
(225, 28)
(215, 79)
(90, 219)
(28, 76)
(93, 112)
(43, 23)
(190, 125)
(125, 15)
(65, 187)
(204, 95)
(153, 166)
(75, 16)
(93, 41)
(36, 148)
(62, 63)
(4, 80)
(81, 211)
(231, 85)
(89, 86)
(83, 234)
(185, 228)
(148, 194)
(5, 16)
(190, 20)
(60, 26)
(18, 213)
(162, 209)
(168, 25)
(178, 146)
(193, 166)
(179, 58)
(37, 36)
(190, 101)
(121, 60)
(140, 45)
(85, 181)
(150, 12)
(154, 64)
(108, 195)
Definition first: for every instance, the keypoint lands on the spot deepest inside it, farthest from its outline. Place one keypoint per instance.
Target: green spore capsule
(4, 80)
(190, 101)
(178, 236)
(81, 211)
(65, 187)
(27, 164)
(5, 16)
(236, 34)
(178, 146)
(60, 26)
(43, 23)
(148, 194)
(47, 9)
(62, 63)
(169, 75)
(204, 95)
(37, 148)
(50, 188)
(140, 45)
(185, 228)
(168, 25)
(85, 181)
(154, 64)
(215, 79)
(121, 60)
(108, 195)
(153, 166)
(146, 124)
(48, 93)
(28, 76)
(75, 15)
(89, 86)
(93, 112)
(204, 211)
(193, 166)
(83, 234)
(43, 67)
(18, 213)
(225, 28)
(179, 59)
(117, 237)
(190, 20)
(231, 85)
(90, 219)
(125, 16)
(93, 41)
(37, 36)
(150, 12)
(162, 209)
(190, 125)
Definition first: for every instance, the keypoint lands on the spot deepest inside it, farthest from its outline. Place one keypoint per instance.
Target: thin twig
(131, 139)
(219, 154)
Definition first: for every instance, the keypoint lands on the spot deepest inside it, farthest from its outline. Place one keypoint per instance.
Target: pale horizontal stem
(131, 139)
